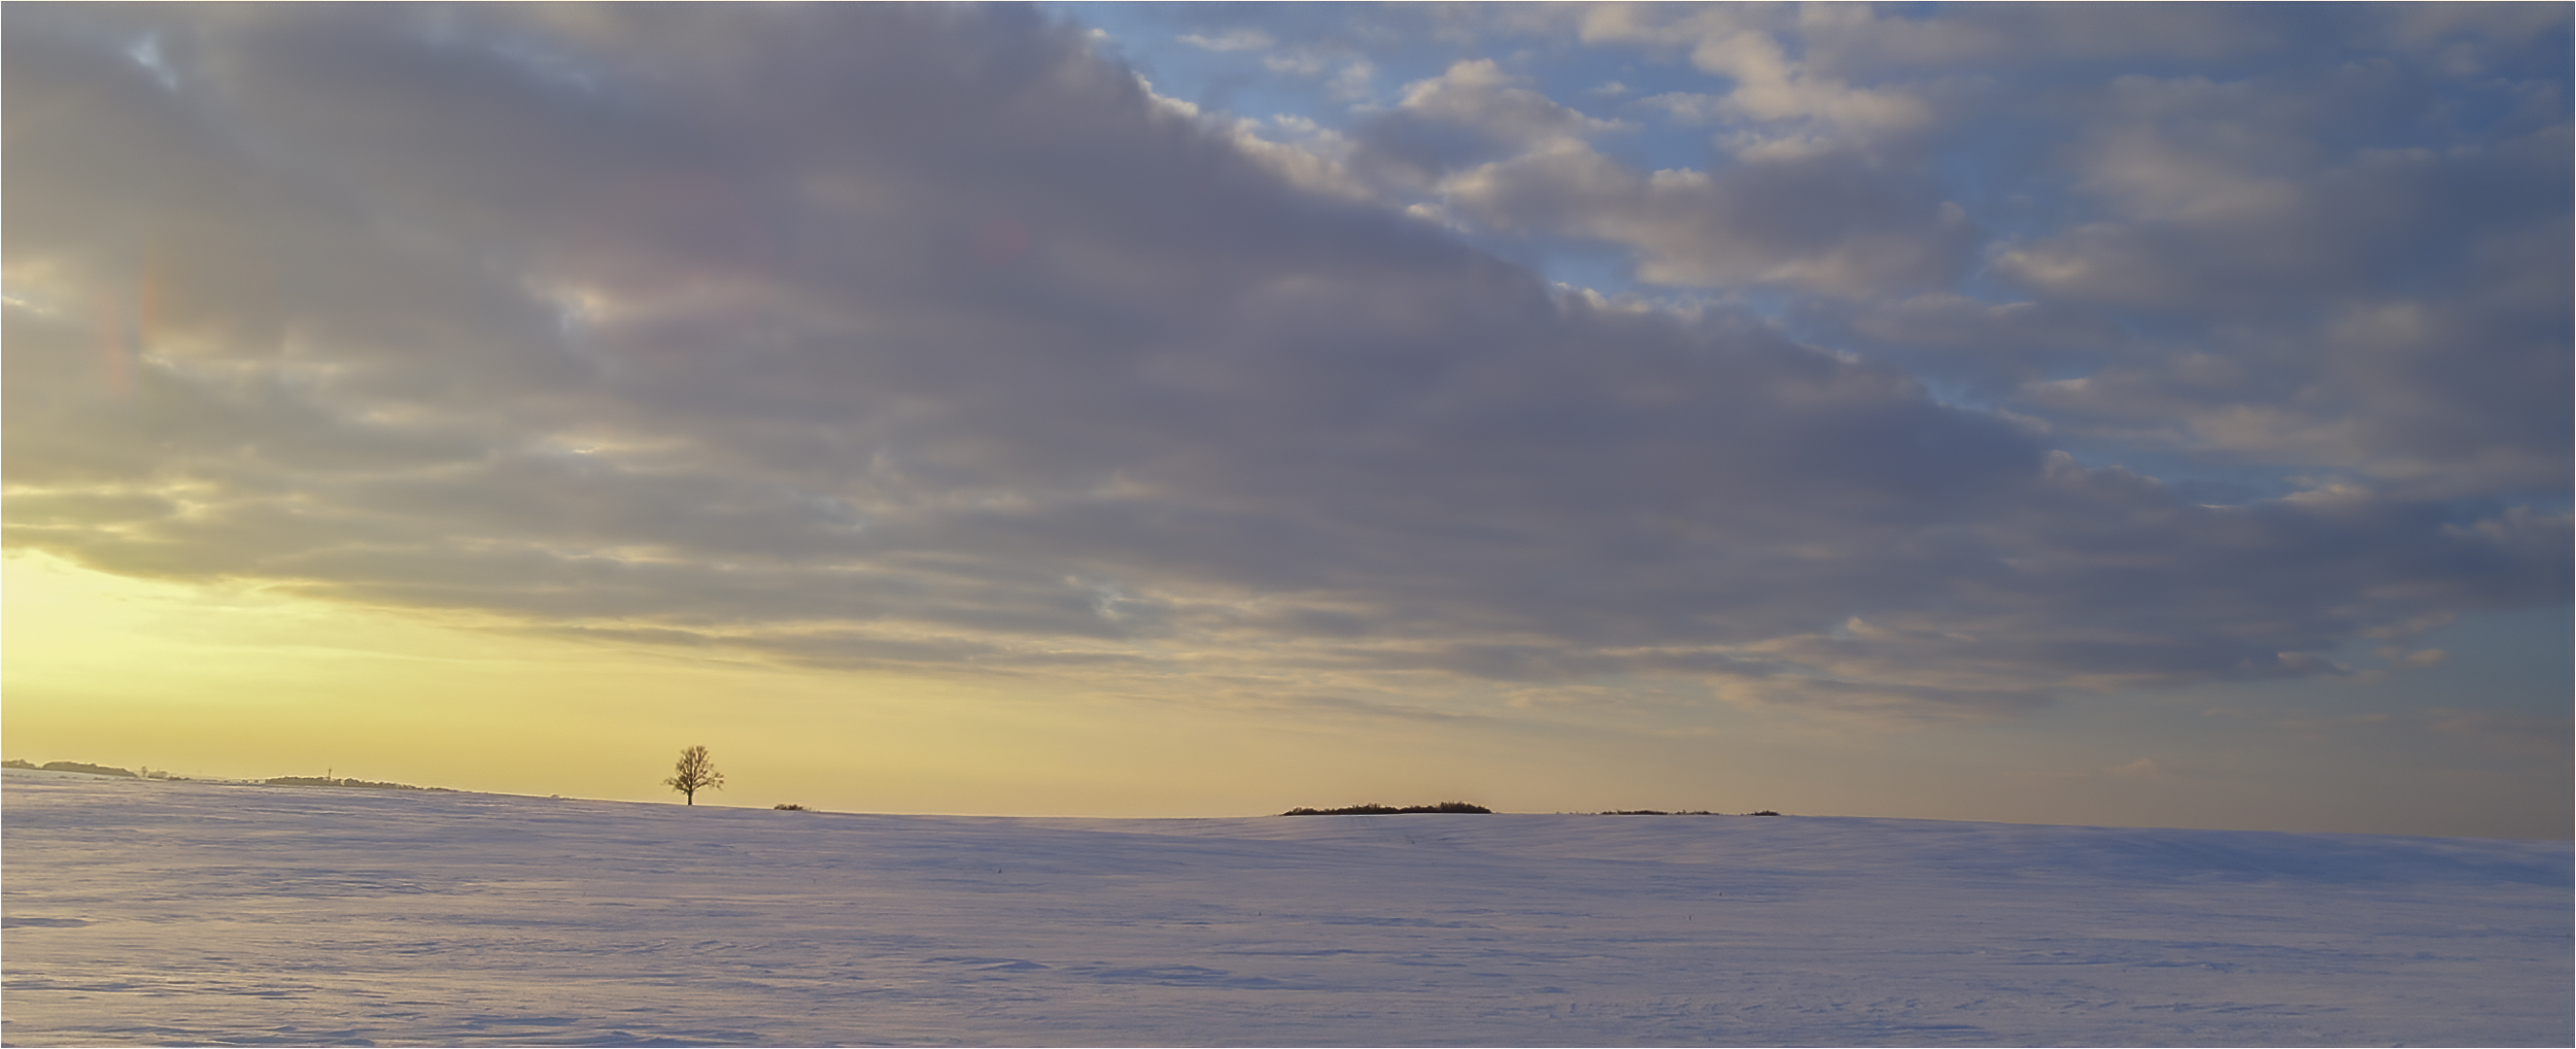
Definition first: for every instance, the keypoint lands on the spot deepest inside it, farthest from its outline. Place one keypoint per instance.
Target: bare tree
(696, 770)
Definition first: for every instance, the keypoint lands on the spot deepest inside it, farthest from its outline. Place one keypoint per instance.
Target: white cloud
(1306, 64)
(1356, 81)
(1241, 39)
(1766, 82)
(1477, 93)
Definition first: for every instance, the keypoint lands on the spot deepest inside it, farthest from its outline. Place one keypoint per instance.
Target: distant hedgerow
(328, 781)
(94, 770)
(1384, 810)
(789, 807)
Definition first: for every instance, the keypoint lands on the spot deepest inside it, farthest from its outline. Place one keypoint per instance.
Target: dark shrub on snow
(1382, 810)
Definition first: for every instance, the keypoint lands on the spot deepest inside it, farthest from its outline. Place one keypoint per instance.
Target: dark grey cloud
(2321, 240)
(906, 337)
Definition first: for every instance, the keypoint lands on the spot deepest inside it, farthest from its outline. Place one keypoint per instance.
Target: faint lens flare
(116, 347)
(1001, 241)
(125, 332)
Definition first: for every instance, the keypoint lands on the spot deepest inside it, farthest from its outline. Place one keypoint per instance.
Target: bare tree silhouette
(695, 770)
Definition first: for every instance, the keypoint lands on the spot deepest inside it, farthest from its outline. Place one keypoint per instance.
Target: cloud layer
(930, 338)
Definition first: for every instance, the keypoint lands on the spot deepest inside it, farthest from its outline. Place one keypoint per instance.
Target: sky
(2097, 414)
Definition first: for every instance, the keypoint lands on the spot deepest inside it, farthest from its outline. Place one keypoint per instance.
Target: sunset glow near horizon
(2149, 415)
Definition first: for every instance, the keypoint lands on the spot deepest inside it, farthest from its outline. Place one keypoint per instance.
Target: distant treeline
(325, 781)
(86, 768)
(1460, 806)
(281, 781)
(1383, 810)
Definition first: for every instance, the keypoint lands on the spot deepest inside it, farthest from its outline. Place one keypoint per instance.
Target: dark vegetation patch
(1384, 810)
(789, 806)
(95, 770)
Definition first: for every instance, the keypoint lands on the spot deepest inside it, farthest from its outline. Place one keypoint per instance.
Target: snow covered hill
(159, 912)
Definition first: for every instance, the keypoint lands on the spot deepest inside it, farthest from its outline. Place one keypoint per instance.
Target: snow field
(159, 913)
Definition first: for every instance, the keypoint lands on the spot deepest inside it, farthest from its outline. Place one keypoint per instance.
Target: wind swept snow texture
(166, 913)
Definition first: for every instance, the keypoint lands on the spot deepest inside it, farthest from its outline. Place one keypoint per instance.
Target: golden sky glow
(232, 682)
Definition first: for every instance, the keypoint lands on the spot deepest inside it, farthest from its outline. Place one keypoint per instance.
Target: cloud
(1829, 47)
(2340, 283)
(1811, 223)
(2479, 739)
(2419, 658)
(1478, 94)
(1243, 39)
(925, 338)
(1472, 112)
(1792, 212)
(1766, 82)
(2308, 246)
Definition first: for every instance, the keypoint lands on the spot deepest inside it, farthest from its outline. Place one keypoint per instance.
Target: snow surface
(157, 912)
